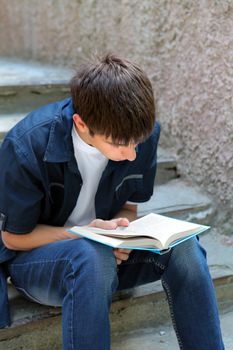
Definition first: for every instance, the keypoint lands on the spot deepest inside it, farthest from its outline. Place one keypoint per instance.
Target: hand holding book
(152, 232)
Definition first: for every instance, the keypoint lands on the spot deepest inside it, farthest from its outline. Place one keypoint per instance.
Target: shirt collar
(60, 147)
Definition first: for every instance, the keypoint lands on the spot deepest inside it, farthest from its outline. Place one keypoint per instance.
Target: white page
(153, 225)
(160, 227)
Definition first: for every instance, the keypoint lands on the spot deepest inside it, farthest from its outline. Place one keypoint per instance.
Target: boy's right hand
(109, 224)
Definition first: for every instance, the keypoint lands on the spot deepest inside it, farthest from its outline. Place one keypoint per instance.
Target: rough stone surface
(184, 45)
(181, 200)
(164, 338)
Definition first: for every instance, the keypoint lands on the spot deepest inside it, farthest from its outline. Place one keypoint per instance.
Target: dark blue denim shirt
(40, 181)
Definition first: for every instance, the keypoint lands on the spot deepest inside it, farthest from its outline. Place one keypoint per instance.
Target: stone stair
(25, 86)
(136, 313)
(163, 337)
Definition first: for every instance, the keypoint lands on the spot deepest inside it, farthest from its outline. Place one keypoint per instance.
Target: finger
(117, 254)
(105, 224)
(124, 250)
(109, 224)
(124, 257)
(96, 223)
(121, 222)
(121, 256)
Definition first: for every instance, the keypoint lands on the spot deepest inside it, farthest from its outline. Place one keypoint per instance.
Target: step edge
(117, 304)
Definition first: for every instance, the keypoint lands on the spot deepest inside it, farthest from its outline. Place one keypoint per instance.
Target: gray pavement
(219, 253)
(16, 72)
(179, 198)
(164, 338)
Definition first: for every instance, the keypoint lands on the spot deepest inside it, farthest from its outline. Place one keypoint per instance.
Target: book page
(116, 242)
(162, 227)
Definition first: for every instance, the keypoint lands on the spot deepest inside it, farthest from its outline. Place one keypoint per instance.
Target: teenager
(90, 159)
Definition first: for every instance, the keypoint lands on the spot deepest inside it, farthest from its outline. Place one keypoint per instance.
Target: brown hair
(114, 97)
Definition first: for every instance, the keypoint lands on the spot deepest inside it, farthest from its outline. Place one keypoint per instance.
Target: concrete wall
(185, 46)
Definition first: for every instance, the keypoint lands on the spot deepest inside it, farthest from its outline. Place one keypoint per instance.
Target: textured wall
(185, 46)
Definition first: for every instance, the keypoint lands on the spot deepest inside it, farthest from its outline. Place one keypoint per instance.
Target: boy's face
(109, 149)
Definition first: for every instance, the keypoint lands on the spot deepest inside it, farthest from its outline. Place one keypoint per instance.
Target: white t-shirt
(91, 163)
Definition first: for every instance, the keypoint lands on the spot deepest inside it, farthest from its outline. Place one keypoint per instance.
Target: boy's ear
(79, 123)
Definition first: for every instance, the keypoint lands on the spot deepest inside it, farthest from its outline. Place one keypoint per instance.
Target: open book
(152, 232)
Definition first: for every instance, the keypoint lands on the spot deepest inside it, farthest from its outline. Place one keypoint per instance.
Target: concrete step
(17, 72)
(163, 337)
(7, 122)
(26, 85)
(134, 312)
(29, 98)
(180, 199)
(167, 166)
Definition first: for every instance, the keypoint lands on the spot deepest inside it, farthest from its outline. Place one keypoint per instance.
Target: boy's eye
(116, 145)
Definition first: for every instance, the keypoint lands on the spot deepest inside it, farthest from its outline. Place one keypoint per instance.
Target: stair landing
(16, 72)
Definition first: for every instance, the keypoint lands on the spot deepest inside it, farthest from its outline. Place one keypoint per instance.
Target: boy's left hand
(120, 254)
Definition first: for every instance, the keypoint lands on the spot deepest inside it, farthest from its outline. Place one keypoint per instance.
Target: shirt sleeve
(149, 165)
(21, 196)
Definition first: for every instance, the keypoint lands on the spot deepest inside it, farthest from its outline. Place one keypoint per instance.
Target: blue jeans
(81, 276)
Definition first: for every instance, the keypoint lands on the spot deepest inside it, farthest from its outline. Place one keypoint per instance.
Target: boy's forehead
(117, 141)
(112, 141)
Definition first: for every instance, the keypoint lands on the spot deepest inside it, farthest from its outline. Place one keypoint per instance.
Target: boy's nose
(130, 153)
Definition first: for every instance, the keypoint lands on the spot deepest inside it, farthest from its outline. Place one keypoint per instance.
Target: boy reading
(90, 159)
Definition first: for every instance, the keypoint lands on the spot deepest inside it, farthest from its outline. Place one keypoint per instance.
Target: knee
(94, 265)
(188, 261)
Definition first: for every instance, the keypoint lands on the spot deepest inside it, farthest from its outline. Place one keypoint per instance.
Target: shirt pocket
(128, 186)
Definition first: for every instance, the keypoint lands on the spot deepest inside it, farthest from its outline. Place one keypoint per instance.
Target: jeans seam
(170, 303)
(144, 260)
(161, 266)
(72, 308)
(39, 262)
